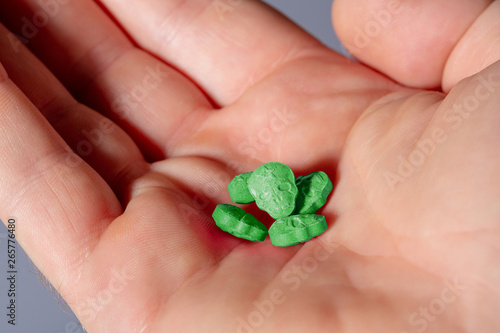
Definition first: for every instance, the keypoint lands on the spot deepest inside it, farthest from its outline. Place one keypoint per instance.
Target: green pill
(238, 189)
(273, 187)
(314, 189)
(295, 229)
(239, 223)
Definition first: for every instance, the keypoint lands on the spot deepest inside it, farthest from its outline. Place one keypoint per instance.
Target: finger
(481, 44)
(97, 63)
(225, 46)
(470, 120)
(407, 40)
(102, 144)
(61, 210)
(430, 160)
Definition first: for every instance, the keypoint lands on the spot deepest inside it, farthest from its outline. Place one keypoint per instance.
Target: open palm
(177, 97)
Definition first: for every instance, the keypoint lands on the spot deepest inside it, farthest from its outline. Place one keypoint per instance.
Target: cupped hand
(123, 122)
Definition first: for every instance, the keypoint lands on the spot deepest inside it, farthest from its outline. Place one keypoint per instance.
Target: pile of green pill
(291, 202)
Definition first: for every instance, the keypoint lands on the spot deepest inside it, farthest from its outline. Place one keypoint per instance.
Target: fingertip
(406, 40)
(390, 36)
(478, 48)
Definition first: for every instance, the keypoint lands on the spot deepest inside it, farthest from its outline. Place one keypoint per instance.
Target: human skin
(195, 99)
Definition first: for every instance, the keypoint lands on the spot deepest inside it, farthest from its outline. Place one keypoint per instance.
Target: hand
(166, 108)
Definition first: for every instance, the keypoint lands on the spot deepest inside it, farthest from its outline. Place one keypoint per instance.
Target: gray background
(41, 310)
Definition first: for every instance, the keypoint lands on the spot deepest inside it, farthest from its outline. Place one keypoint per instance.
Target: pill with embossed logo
(238, 189)
(273, 187)
(314, 189)
(239, 223)
(295, 229)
